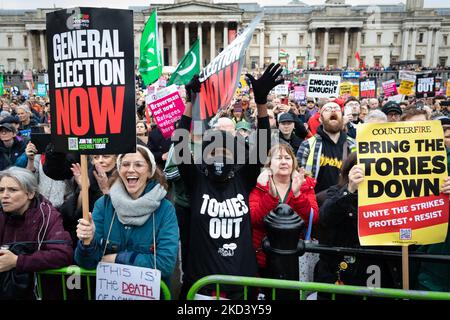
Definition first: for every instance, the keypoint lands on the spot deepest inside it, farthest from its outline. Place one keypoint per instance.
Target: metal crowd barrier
(71, 270)
(304, 287)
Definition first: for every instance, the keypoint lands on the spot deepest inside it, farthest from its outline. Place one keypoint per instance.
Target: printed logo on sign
(81, 21)
(73, 144)
(405, 234)
(228, 249)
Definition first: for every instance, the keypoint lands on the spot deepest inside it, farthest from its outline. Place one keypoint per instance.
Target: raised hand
(266, 82)
(298, 177)
(192, 88)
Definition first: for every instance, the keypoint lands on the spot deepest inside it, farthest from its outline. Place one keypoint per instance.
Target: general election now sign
(91, 80)
(405, 165)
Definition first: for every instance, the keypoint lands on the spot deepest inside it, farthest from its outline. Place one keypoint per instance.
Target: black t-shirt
(330, 160)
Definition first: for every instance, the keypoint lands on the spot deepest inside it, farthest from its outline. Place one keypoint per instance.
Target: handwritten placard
(124, 282)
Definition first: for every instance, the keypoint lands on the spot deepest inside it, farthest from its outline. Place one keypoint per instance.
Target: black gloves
(192, 88)
(266, 82)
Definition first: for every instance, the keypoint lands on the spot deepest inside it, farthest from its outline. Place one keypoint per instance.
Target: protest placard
(425, 86)
(389, 88)
(355, 90)
(281, 89)
(27, 75)
(300, 93)
(405, 165)
(219, 79)
(351, 74)
(407, 81)
(167, 107)
(346, 89)
(124, 282)
(91, 80)
(447, 90)
(41, 89)
(368, 88)
(323, 86)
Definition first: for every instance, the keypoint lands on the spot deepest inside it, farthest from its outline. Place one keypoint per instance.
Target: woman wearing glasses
(138, 226)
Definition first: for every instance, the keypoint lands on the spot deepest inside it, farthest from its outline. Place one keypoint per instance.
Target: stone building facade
(328, 34)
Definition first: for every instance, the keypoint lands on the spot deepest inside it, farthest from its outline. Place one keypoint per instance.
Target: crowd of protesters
(147, 206)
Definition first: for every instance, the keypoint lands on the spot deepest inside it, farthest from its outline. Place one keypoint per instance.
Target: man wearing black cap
(286, 125)
(10, 147)
(393, 111)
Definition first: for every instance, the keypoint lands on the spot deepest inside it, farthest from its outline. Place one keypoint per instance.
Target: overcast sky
(33, 4)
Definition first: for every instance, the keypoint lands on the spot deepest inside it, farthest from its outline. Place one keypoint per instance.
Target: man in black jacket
(286, 125)
(219, 188)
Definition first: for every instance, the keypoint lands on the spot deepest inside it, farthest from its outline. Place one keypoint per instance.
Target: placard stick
(84, 187)
(405, 267)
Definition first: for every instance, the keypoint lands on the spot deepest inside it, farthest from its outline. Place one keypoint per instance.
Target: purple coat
(26, 227)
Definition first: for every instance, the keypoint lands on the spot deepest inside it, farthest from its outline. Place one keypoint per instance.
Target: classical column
(30, 50)
(313, 45)
(225, 34)
(358, 46)
(412, 54)
(429, 41)
(186, 37)
(174, 61)
(405, 44)
(261, 48)
(212, 50)
(161, 41)
(325, 48)
(43, 50)
(345, 52)
(199, 36)
(437, 41)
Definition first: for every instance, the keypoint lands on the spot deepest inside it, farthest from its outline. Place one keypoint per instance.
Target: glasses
(331, 108)
(352, 104)
(138, 165)
(5, 131)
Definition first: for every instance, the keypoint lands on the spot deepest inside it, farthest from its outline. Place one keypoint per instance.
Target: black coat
(158, 145)
(8, 156)
(57, 165)
(338, 223)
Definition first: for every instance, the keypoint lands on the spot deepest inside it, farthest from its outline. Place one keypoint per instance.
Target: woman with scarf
(138, 226)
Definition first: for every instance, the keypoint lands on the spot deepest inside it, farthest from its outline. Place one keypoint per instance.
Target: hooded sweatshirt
(330, 160)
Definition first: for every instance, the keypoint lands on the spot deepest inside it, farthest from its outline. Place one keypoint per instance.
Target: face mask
(220, 169)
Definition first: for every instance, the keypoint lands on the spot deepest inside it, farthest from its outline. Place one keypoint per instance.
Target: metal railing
(304, 287)
(71, 270)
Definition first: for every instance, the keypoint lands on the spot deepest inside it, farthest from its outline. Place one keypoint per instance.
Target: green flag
(188, 66)
(150, 62)
(1, 85)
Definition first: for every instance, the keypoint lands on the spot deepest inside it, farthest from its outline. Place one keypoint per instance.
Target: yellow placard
(346, 88)
(406, 87)
(405, 165)
(355, 90)
(447, 92)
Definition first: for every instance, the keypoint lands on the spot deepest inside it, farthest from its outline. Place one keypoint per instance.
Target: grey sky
(32, 4)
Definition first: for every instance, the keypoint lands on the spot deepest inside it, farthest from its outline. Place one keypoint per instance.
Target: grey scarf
(135, 212)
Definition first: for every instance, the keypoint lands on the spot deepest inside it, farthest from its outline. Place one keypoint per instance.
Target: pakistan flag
(150, 62)
(188, 66)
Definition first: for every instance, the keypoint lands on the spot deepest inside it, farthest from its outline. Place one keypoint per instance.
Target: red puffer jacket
(261, 203)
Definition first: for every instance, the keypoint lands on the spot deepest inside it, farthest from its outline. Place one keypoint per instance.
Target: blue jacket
(133, 244)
